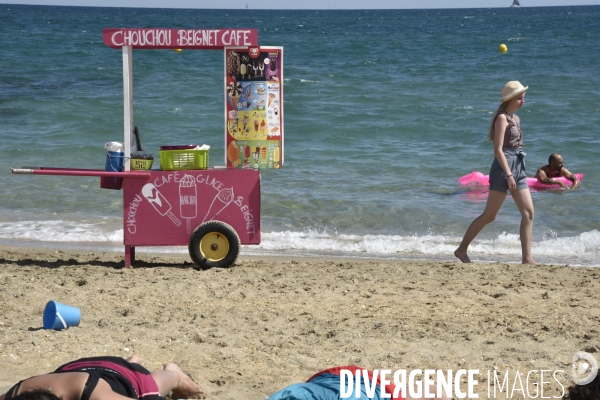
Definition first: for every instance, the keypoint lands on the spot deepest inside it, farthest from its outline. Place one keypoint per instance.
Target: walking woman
(507, 173)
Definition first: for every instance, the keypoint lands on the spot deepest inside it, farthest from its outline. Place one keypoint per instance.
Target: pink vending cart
(211, 210)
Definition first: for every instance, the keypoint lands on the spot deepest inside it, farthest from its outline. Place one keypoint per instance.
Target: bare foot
(134, 359)
(530, 261)
(185, 388)
(462, 256)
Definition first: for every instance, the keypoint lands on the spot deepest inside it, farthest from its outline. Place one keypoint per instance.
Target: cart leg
(129, 256)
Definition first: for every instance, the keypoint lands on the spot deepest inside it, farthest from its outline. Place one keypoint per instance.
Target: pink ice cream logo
(219, 203)
(159, 202)
(188, 200)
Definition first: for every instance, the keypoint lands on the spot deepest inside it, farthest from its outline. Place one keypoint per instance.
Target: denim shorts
(516, 163)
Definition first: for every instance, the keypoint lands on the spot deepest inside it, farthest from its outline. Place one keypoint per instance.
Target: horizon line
(294, 9)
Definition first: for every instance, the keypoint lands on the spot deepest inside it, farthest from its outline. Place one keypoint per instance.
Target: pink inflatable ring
(477, 178)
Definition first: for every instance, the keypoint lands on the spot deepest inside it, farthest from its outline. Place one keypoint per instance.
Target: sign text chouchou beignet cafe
(158, 38)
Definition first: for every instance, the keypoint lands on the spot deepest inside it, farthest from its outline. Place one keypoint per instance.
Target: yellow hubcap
(214, 246)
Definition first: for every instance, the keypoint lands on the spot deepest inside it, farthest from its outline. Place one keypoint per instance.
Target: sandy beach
(248, 331)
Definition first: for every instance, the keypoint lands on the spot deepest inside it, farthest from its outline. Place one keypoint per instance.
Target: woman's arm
(499, 128)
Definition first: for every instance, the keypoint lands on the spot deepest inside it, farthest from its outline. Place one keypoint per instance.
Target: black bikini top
(89, 387)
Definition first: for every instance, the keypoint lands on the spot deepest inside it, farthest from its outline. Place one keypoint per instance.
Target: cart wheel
(214, 244)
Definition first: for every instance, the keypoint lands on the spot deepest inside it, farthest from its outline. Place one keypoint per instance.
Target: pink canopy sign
(163, 38)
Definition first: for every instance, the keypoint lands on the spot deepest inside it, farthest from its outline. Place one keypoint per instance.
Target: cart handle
(78, 172)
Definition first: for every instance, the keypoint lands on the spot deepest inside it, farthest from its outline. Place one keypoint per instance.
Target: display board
(254, 107)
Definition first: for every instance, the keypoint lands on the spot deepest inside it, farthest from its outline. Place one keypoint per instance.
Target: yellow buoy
(177, 50)
(503, 48)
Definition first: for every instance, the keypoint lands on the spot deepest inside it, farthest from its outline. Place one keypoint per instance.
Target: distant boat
(515, 4)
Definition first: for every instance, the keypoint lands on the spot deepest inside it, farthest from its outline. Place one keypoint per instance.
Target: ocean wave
(59, 231)
(582, 249)
(579, 250)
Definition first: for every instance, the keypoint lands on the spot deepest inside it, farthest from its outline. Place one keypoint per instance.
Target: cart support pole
(129, 256)
(128, 128)
(127, 104)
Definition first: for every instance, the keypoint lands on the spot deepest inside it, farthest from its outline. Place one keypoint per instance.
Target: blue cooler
(114, 163)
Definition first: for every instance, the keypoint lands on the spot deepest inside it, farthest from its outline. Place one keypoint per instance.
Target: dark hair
(591, 391)
(37, 394)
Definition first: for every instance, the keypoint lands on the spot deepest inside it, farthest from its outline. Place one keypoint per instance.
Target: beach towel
(325, 385)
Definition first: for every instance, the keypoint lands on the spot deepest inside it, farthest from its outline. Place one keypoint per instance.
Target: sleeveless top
(513, 137)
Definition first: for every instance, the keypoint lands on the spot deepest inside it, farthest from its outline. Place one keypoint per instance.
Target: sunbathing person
(591, 391)
(106, 378)
(325, 385)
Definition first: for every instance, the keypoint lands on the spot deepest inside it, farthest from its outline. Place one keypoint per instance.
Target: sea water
(384, 111)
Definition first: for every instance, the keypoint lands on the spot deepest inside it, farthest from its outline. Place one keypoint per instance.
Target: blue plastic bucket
(59, 316)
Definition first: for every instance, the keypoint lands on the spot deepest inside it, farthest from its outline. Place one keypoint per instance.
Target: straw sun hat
(512, 89)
